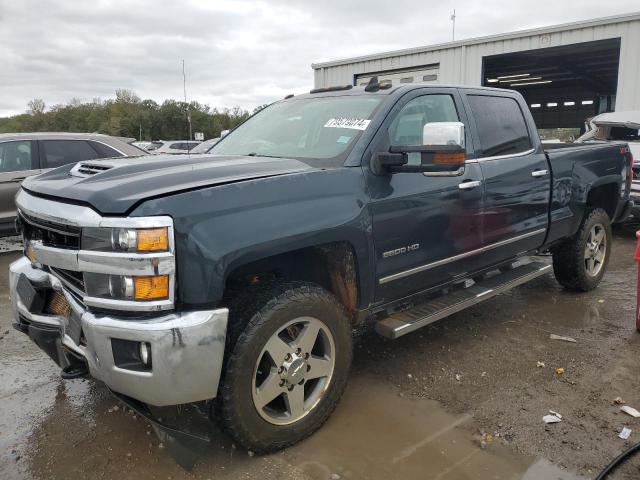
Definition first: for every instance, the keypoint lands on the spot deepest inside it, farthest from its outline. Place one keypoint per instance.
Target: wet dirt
(460, 399)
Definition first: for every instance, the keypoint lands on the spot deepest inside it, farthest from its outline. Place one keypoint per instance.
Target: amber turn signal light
(451, 158)
(153, 239)
(151, 288)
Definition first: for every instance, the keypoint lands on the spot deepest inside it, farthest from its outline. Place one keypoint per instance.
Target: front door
(517, 177)
(424, 225)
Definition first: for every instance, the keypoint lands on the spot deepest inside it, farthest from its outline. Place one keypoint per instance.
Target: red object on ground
(637, 259)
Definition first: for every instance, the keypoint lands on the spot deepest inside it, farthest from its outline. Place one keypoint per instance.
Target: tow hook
(76, 367)
(75, 370)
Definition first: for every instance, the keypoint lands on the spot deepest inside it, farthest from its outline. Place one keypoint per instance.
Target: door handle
(539, 173)
(468, 185)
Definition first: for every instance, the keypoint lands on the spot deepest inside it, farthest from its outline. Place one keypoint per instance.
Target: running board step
(407, 321)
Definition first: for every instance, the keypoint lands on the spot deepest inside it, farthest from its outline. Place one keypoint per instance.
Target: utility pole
(184, 86)
(140, 135)
(453, 20)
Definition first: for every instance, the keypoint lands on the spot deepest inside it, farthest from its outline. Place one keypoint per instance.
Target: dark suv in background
(25, 154)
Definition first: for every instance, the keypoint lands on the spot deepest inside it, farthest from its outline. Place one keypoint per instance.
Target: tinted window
(406, 128)
(15, 156)
(61, 152)
(624, 133)
(104, 151)
(178, 146)
(501, 125)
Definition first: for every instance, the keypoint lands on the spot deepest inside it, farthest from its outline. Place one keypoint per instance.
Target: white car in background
(624, 127)
(175, 146)
(205, 146)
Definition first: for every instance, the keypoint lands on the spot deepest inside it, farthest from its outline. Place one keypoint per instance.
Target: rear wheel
(287, 368)
(580, 262)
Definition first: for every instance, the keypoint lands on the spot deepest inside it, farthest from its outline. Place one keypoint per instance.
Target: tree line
(126, 115)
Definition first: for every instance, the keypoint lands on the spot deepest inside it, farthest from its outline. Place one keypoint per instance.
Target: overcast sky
(237, 52)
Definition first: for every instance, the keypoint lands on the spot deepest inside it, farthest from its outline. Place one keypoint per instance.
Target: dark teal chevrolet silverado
(236, 278)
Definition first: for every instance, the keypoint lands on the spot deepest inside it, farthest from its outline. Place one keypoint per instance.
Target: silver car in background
(26, 154)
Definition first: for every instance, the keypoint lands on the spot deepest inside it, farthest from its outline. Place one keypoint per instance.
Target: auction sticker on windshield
(346, 122)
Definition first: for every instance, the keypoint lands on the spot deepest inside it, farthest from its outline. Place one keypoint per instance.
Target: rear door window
(16, 156)
(103, 150)
(501, 125)
(61, 152)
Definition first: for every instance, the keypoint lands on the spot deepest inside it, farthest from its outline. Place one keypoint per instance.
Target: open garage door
(563, 85)
(423, 74)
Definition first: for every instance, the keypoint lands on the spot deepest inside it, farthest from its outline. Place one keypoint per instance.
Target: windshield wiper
(254, 154)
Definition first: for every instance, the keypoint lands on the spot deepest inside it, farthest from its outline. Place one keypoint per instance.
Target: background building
(566, 72)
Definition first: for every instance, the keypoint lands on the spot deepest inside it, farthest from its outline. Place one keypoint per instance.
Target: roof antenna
(373, 85)
(184, 87)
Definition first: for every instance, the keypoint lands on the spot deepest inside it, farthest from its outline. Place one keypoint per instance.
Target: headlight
(125, 239)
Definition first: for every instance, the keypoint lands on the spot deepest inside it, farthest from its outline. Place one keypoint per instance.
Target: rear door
(517, 177)
(18, 160)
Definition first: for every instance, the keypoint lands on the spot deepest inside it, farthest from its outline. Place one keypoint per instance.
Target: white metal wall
(461, 62)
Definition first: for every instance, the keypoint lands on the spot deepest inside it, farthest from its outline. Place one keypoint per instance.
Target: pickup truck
(619, 126)
(236, 279)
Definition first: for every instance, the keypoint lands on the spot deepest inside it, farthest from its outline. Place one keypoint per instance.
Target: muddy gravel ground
(461, 399)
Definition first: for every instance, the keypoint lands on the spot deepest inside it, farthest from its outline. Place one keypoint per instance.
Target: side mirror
(442, 150)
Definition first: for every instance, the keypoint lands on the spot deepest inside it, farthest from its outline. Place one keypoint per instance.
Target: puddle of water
(376, 434)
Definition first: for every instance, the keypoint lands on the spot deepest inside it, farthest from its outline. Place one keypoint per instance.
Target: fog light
(145, 353)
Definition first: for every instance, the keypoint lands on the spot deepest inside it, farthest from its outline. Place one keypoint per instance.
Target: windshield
(308, 128)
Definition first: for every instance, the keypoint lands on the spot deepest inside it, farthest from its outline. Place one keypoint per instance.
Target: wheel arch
(604, 196)
(333, 266)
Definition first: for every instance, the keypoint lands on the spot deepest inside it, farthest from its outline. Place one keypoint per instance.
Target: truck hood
(115, 185)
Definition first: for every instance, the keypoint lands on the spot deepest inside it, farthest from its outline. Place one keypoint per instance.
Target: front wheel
(288, 367)
(580, 262)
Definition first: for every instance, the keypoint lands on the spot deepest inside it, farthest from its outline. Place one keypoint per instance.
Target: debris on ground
(553, 417)
(540, 365)
(458, 377)
(625, 433)
(618, 401)
(559, 371)
(630, 411)
(562, 338)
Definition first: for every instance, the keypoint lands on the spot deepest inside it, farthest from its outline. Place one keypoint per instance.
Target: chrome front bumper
(187, 348)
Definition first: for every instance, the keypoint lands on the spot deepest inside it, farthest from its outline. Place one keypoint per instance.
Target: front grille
(76, 279)
(51, 234)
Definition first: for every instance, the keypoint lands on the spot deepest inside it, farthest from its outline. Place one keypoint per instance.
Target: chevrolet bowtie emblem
(31, 253)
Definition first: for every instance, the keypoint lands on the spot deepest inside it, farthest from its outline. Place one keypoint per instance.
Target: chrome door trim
(455, 258)
(502, 157)
(539, 173)
(453, 173)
